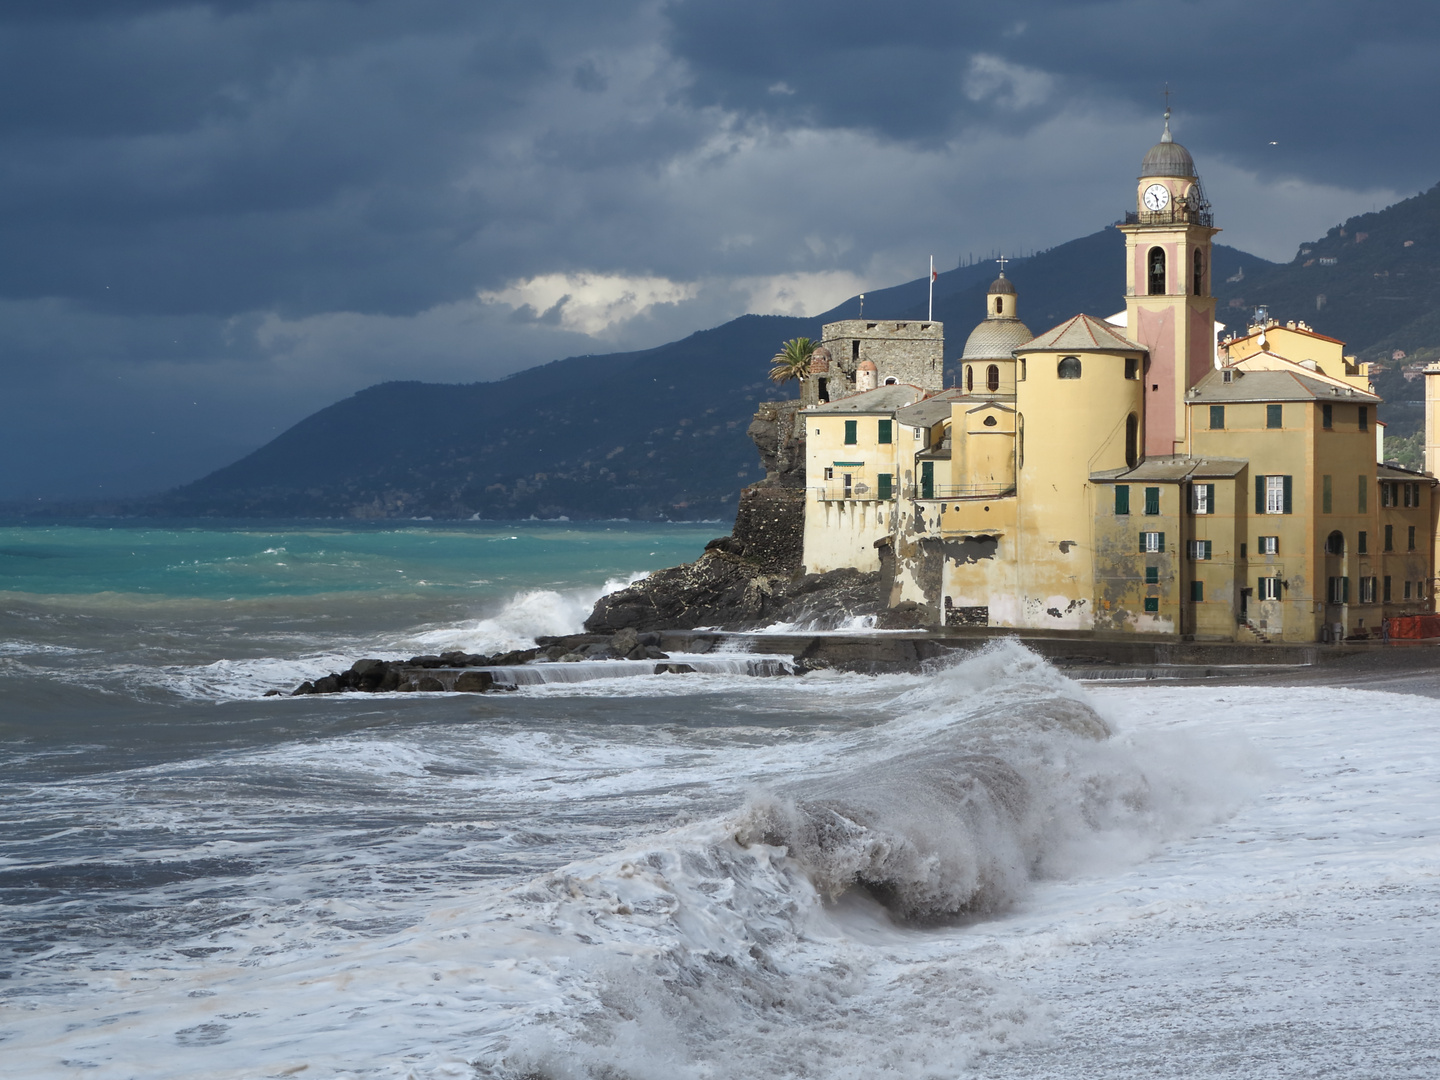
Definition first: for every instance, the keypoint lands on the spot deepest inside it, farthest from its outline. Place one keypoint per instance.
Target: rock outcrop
(755, 576)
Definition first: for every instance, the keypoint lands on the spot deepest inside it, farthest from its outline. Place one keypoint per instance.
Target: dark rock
(906, 616)
(650, 639)
(652, 653)
(454, 658)
(674, 669)
(517, 656)
(474, 681)
(362, 668)
(425, 662)
(429, 684)
(330, 684)
(275, 693)
(389, 682)
(306, 687)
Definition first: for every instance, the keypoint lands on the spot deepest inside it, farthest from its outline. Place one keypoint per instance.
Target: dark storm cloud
(1344, 89)
(217, 217)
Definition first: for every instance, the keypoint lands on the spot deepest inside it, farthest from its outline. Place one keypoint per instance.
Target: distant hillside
(645, 435)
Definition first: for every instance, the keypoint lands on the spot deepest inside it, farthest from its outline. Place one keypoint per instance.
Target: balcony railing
(1175, 214)
(858, 493)
(967, 491)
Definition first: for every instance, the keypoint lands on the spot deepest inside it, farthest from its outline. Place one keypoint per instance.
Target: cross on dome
(1002, 260)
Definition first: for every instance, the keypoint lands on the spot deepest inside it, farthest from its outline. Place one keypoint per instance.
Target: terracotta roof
(1082, 334)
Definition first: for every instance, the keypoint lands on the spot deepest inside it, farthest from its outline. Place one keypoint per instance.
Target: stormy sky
(219, 217)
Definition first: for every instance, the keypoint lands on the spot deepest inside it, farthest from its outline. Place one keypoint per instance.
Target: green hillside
(660, 433)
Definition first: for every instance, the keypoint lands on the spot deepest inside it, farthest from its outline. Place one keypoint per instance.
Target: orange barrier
(1414, 627)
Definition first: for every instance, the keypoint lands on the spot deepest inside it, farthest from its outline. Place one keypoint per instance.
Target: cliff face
(754, 577)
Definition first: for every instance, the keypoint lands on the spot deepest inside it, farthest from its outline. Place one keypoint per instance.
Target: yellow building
(1122, 476)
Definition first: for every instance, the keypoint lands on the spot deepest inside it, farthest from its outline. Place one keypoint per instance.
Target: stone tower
(1168, 303)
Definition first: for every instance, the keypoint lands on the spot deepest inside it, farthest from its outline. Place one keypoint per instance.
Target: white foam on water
(527, 615)
(880, 904)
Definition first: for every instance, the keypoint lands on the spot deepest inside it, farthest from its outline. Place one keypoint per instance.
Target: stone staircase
(1247, 631)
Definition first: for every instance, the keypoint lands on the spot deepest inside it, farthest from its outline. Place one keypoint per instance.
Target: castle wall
(907, 351)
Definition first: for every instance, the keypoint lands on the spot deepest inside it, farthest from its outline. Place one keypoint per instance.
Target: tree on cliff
(792, 361)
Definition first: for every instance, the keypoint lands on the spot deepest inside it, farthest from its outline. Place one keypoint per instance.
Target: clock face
(1192, 198)
(1156, 197)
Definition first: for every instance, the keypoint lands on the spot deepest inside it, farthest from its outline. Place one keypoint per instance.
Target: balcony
(955, 492)
(1175, 214)
(836, 491)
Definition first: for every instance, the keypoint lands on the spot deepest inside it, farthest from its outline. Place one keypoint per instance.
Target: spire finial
(1002, 260)
(1166, 137)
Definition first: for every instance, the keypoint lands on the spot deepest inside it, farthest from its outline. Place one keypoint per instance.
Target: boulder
(474, 682)
(429, 684)
(674, 669)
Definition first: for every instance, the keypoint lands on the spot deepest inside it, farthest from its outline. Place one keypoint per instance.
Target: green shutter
(1152, 500)
(1197, 591)
(850, 436)
(1152, 575)
(927, 479)
(1122, 500)
(1325, 501)
(884, 485)
(884, 431)
(1344, 590)
(1141, 548)
(1210, 498)
(1288, 505)
(1162, 542)
(1273, 417)
(1207, 549)
(1259, 494)
(1364, 487)
(1217, 417)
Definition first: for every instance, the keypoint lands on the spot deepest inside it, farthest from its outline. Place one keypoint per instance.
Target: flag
(934, 274)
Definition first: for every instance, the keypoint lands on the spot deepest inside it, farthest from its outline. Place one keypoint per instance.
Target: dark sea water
(985, 869)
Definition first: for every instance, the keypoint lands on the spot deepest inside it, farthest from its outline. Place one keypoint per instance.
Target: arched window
(992, 378)
(1132, 441)
(890, 380)
(1019, 440)
(1335, 543)
(1156, 263)
(1069, 367)
(1199, 274)
(969, 378)
(999, 305)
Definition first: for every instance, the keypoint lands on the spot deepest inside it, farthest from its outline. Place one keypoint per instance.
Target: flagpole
(931, 317)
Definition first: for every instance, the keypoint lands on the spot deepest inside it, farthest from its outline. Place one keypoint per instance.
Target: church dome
(1002, 284)
(996, 339)
(1168, 157)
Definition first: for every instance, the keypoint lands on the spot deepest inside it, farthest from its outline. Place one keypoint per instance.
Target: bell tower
(1169, 304)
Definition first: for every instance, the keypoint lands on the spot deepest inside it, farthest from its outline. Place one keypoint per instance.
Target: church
(1127, 475)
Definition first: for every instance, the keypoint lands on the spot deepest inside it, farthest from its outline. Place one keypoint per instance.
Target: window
(1152, 500)
(1406, 493)
(1364, 489)
(1361, 543)
(1197, 592)
(823, 390)
(1069, 367)
(885, 485)
(1367, 590)
(1387, 590)
(1152, 603)
(999, 305)
(1364, 418)
(1132, 367)
(1217, 417)
(927, 479)
(969, 378)
(1269, 588)
(1272, 495)
(1132, 441)
(849, 487)
(1268, 545)
(1335, 543)
(1407, 590)
(1151, 542)
(1200, 550)
(1152, 575)
(1387, 493)
(1389, 537)
(1202, 498)
(1411, 544)
(851, 435)
(1199, 274)
(1327, 416)
(829, 473)
(1339, 590)
(1156, 263)
(1274, 416)
(855, 351)
(1122, 500)
(1242, 549)
(891, 380)
(886, 431)
(1325, 500)
(992, 378)
(1020, 373)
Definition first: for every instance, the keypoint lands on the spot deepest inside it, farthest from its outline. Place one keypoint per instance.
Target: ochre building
(1129, 475)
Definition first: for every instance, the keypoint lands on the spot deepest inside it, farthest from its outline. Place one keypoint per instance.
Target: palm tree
(792, 361)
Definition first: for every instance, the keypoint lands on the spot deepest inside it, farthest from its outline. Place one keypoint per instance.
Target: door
(927, 480)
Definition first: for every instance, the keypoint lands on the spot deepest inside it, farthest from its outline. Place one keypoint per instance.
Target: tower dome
(1168, 157)
(1001, 332)
(820, 360)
